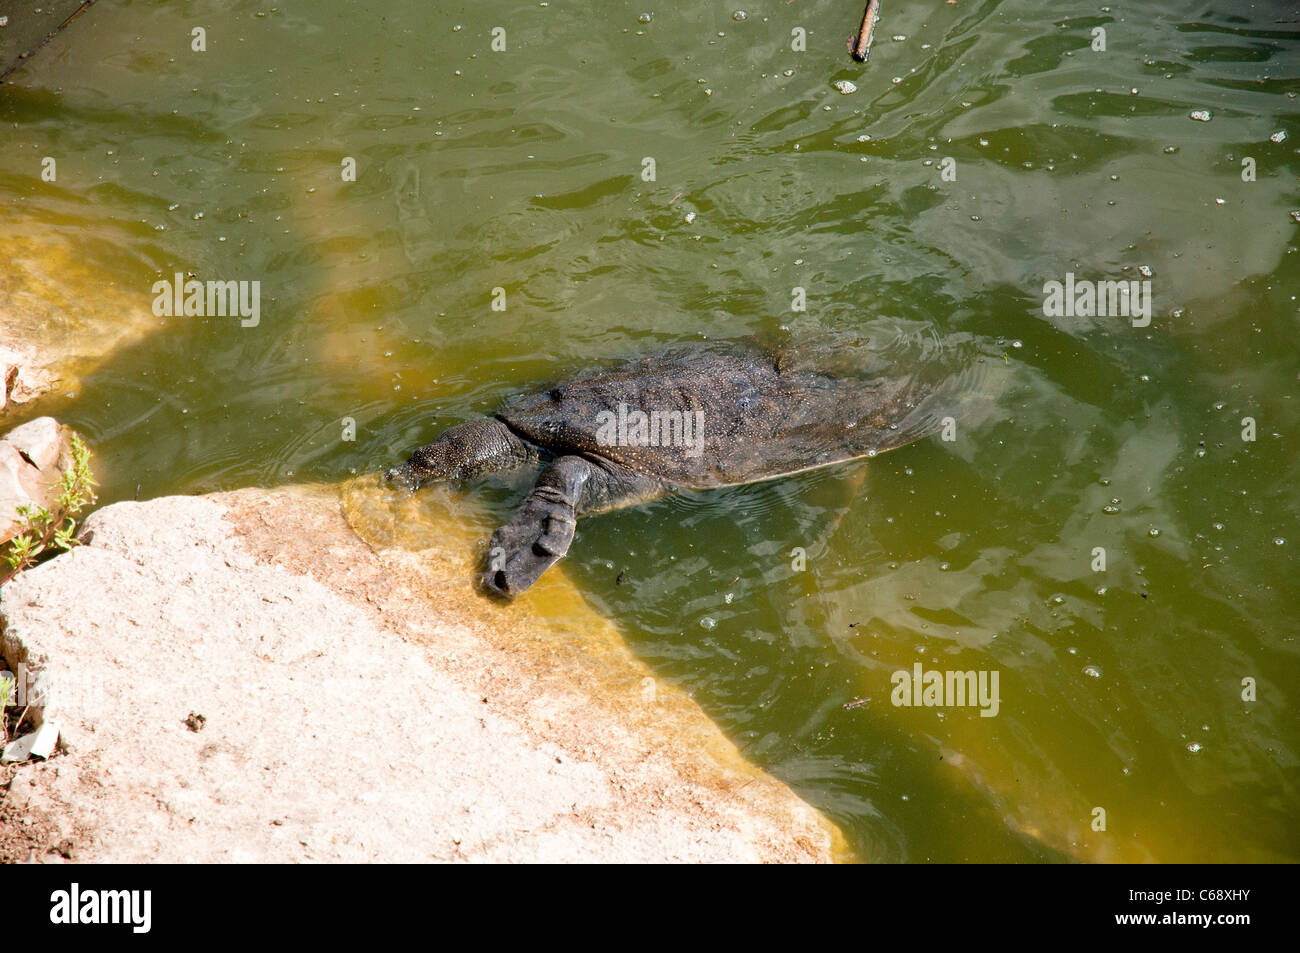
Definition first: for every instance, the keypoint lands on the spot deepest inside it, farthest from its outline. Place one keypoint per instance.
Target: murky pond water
(988, 148)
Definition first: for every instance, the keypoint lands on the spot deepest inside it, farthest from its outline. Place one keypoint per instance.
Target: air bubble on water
(1072, 650)
(1058, 600)
(983, 142)
(845, 87)
(1144, 271)
(1017, 344)
(1279, 541)
(1153, 531)
(1171, 149)
(1279, 136)
(1200, 115)
(1295, 215)
(788, 72)
(728, 597)
(1217, 525)
(739, 16)
(457, 28)
(1092, 671)
(1193, 747)
(707, 623)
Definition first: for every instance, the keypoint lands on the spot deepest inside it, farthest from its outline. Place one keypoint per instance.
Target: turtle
(693, 417)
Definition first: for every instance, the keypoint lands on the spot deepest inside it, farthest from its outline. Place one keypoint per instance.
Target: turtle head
(429, 463)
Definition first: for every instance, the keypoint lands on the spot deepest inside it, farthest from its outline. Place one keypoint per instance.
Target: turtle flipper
(541, 530)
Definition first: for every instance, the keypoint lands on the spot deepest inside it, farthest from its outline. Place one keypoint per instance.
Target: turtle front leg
(541, 529)
(464, 451)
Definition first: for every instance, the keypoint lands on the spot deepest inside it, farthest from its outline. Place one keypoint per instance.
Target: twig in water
(860, 43)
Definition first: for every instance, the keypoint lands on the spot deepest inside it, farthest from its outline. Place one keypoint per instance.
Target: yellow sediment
(64, 308)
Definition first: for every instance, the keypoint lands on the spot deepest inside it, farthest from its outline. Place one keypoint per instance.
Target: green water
(522, 170)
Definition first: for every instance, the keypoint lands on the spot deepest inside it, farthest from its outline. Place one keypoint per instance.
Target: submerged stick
(28, 32)
(860, 43)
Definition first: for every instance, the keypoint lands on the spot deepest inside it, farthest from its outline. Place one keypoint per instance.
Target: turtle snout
(402, 476)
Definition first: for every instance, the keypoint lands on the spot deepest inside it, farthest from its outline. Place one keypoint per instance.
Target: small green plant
(44, 531)
(6, 694)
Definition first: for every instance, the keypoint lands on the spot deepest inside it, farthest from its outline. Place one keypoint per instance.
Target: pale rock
(44, 739)
(33, 457)
(357, 709)
(19, 749)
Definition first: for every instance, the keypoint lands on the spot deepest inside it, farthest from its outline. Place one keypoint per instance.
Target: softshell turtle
(688, 418)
